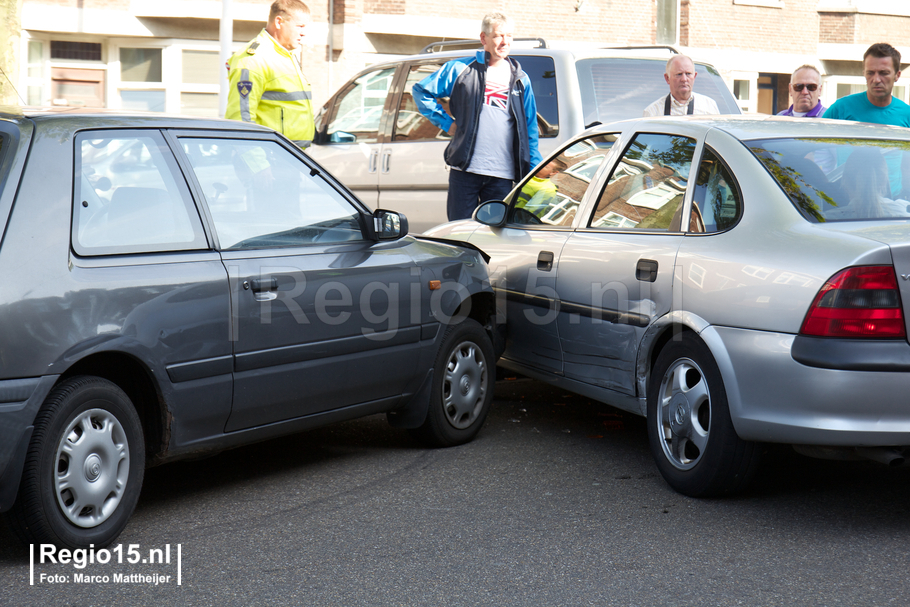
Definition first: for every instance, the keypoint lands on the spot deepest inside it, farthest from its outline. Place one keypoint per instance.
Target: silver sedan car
(736, 280)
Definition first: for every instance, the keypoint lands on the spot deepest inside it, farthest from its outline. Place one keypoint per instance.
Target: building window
(741, 90)
(202, 67)
(201, 74)
(203, 105)
(851, 88)
(667, 21)
(140, 64)
(35, 73)
(122, 73)
(79, 51)
(765, 3)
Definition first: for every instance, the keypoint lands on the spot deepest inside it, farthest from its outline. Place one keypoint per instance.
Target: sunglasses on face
(799, 87)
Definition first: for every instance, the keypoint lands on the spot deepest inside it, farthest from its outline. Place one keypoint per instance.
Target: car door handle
(545, 261)
(386, 160)
(267, 284)
(646, 270)
(263, 290)
(374, 160)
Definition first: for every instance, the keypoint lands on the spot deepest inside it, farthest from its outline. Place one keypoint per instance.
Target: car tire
(464, 377)
(84, 467)
(690, 431)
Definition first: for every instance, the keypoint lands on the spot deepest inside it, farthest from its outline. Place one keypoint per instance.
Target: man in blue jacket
(493, 123)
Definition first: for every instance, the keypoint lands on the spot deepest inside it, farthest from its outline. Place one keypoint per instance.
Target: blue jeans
(467, 190)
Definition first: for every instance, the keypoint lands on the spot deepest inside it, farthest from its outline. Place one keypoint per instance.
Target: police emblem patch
(244, 87)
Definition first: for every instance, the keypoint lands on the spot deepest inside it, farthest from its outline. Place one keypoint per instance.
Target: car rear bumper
(775, 398)
(20, 400)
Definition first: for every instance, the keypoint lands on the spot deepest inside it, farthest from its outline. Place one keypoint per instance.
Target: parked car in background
(735, 280)
(393, 158)
(181, 286)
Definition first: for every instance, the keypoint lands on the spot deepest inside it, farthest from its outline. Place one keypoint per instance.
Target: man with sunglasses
(805, 89)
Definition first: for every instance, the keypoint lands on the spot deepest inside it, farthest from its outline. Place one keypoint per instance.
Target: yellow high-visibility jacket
(268, 88)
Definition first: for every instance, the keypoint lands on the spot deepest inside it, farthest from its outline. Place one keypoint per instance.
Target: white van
(370, 135)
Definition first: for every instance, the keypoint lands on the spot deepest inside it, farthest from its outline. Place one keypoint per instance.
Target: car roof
(748, 127)
(99, 117)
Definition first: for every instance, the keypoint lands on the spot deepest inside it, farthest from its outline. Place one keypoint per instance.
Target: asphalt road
(557, 502)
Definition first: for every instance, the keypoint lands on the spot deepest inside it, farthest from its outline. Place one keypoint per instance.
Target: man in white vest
(682, 100)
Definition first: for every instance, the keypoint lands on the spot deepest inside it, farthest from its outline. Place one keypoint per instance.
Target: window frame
(705, 148)
(201, 240)
(614, 162)
(400, 91)
(607, 160)
(330, 110)
(174, 135)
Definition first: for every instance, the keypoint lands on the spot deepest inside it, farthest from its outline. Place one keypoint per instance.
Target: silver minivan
(371, 136)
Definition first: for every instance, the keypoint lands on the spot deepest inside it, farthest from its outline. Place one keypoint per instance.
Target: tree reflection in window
(648, 185)
(818, 175)
(552, 195)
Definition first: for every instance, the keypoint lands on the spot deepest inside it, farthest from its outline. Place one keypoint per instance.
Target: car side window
(542, 72)
(717, 203)
(552, 195)
(260, 195)
(410, 124)
(647, 187)
(130, 196)
(358, 113)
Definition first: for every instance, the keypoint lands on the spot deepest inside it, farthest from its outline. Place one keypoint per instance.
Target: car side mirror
(491, 213)
(389, 225)
(342, 137)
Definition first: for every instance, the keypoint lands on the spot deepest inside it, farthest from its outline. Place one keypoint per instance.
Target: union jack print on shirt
(497, 95)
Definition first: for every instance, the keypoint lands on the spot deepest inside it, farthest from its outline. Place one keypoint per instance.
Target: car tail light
(857, 302)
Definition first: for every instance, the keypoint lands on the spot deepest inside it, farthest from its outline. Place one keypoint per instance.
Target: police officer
(267, 86)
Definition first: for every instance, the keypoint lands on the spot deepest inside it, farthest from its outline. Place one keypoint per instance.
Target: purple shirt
(815, 112)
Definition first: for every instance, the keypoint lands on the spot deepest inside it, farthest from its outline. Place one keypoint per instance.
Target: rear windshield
(834, 179)
(617, 89)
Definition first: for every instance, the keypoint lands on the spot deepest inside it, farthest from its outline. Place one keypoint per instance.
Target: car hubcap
(92, 467)
(465, 385)
(684, 411)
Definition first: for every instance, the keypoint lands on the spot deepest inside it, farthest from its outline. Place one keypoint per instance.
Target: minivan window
(615, 89)
(358, 113)
(542, 72)
(410, 124)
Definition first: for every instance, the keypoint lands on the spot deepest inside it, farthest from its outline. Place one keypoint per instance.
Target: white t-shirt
(495, 137)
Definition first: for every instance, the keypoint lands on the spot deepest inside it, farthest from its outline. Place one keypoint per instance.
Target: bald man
(682, 100)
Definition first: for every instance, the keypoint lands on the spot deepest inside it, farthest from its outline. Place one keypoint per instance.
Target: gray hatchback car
(177, 286)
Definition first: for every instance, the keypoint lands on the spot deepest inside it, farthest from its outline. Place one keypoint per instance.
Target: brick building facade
(163, 55)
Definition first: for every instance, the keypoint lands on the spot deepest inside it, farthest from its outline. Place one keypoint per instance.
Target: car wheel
(84, 467)
(690, 431)
(463, 382)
